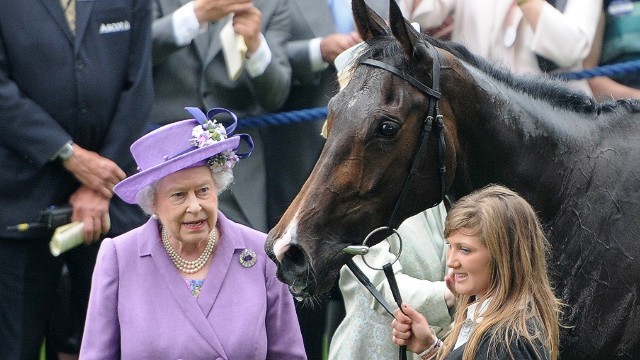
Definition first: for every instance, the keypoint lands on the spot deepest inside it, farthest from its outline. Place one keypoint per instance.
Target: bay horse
(574, 159)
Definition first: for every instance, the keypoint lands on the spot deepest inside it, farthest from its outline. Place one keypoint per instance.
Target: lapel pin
(248, 258)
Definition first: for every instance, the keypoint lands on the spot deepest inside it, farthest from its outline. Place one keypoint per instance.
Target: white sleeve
(259, 60)
(428, 13)
(186, 25)
(566, 37)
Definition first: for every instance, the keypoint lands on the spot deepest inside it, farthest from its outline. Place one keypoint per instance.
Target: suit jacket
(93, 88)
(519, 348)
(196, 75)
(298, 145)
(140, 307)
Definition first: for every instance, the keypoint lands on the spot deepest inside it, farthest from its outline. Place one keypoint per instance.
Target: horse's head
(376, 138)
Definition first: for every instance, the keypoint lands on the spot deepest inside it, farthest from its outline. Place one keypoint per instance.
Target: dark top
(521, 349)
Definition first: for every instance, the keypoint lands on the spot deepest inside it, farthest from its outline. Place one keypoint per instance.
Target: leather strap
(393, 285)
(367, 284)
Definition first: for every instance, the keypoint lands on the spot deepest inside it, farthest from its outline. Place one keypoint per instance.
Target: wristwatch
(66, 151)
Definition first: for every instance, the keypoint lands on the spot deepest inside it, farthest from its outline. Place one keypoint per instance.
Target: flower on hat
(208, 134)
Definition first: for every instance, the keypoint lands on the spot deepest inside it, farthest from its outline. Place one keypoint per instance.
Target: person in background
(515, 33)
(420, 273)
(190, 68)
(190, 283)
(617, 40)
(320, 30)
(75, 92)
(506, 308)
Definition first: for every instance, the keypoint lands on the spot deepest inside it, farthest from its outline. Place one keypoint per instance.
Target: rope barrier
(296, 116)
(605, 70)
(283, 118)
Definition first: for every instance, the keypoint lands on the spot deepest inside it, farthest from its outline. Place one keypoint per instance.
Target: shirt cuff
(259, 60)
(315, 56)
(186, 25)
(64, 153)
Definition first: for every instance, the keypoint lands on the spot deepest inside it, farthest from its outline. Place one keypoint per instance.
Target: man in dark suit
(317, 37)
(190, 70)
(74, 94)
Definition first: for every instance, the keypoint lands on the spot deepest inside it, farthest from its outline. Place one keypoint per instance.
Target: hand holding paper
(233, 48)
(66, 237)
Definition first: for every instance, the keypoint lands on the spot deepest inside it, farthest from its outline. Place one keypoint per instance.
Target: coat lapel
(83, 12)
(214, 46)
(152, 245)
(220, 266)
(55, 9)
(201, 43)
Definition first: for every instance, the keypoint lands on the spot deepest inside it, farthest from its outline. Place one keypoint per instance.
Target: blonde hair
(522, 304)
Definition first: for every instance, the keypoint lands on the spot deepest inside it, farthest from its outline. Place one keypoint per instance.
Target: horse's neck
(522, 142)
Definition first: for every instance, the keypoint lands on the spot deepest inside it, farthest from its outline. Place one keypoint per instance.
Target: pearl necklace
(187, 266)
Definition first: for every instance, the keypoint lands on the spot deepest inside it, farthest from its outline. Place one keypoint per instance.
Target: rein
(433, 118)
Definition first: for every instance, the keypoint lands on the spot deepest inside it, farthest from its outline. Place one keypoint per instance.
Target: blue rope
(606, 70)
(284, 118)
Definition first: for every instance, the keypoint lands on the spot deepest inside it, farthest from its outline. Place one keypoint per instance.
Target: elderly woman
(190, 283)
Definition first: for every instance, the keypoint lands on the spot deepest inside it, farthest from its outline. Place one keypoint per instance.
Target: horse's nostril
(294, 256)
(295, 270)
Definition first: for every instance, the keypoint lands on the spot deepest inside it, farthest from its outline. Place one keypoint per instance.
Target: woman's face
(186, 203)
(469, 257)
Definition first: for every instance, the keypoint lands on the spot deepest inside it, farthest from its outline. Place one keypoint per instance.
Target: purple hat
(181, 145)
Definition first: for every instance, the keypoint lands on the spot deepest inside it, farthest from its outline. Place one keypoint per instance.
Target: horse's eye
(388, 128)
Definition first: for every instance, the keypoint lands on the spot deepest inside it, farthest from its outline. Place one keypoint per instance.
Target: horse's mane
(541, 87)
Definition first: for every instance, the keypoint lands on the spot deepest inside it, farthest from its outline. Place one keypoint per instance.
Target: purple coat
(140, 307)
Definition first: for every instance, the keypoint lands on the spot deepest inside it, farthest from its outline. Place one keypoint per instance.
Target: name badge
(118, 26)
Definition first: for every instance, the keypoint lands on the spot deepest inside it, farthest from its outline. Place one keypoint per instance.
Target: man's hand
(94, 171)
(247, 24)
(92, 209)
(213, 10)
(334, 44)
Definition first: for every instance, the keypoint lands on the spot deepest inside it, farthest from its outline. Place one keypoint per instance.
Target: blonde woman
(506, 306)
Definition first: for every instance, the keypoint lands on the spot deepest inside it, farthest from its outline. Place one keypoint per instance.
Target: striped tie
(69, 7)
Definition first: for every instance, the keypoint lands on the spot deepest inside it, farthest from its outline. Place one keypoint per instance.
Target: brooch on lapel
(248, 258)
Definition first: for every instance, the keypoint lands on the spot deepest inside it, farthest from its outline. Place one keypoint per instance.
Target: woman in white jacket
(512, 32)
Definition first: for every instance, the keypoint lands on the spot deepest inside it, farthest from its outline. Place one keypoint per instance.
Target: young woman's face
(186, 203)
(469, 257)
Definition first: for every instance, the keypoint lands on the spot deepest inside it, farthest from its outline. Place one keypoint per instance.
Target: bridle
(433, 118)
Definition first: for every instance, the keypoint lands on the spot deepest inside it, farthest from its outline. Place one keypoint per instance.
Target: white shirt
(484, 28)
(474, 316)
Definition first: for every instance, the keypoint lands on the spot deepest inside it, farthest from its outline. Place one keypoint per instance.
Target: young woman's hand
(411, 329)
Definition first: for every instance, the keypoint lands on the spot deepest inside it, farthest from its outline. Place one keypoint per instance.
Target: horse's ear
(368, 23)
(402, 29)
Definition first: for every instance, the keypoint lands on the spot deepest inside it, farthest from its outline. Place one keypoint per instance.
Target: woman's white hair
(147, 195)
